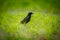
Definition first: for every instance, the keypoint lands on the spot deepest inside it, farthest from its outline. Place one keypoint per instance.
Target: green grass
(44, 22)
(40, 24)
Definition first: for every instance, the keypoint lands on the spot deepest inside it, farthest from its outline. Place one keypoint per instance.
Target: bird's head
(30, 13)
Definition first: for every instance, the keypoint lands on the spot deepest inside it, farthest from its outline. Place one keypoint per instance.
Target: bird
(27, 18)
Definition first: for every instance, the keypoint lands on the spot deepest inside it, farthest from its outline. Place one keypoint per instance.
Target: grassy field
(44, 23)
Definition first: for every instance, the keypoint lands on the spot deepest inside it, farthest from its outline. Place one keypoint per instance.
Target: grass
(40, 25)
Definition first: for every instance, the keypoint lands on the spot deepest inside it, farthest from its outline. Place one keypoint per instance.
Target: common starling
(27, 18)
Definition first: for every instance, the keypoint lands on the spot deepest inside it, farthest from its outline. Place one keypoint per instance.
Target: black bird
(27, 18)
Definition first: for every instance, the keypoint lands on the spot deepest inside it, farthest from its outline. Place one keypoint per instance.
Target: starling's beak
(32, 13)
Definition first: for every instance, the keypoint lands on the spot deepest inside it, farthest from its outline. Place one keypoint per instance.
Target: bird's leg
(24, 24)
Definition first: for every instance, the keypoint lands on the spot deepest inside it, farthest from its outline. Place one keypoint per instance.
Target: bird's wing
(24, 20)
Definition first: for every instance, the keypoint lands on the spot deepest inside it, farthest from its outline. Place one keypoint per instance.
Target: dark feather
(27, 18)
